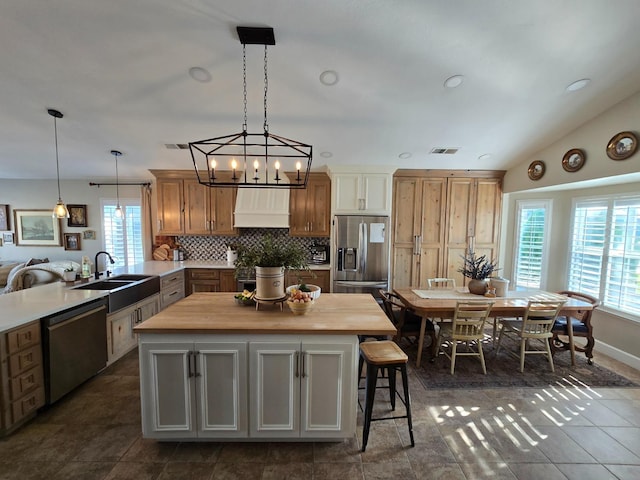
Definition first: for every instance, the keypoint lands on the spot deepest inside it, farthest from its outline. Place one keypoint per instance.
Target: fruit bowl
(300, 308)
(314, 290)
(245, 298)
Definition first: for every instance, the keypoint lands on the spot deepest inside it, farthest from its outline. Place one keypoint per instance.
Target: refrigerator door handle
(363, 247)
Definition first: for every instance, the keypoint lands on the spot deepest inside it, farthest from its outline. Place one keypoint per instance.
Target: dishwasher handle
(76, 312)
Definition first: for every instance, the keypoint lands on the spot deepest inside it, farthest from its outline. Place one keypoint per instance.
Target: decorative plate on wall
(536, 170)
(573, 160)
(622, 146)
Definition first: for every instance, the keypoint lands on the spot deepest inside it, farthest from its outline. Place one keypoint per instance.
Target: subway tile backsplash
(215, 247)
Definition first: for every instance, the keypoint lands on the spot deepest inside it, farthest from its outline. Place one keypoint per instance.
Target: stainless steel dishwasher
(75, 347)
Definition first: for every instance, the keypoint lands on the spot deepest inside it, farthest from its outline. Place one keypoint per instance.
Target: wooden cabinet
(21, 376)
(310, 208)
(362, 193)
(170, 206)
(248, 386)
(321, 278)
(171, 288)
(202, 280)
(438, 218)
(194, 389)
(120, 336)
(301, 387)
(228, 281)
(185, 207)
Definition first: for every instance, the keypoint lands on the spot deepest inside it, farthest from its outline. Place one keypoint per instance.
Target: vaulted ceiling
(119, 72)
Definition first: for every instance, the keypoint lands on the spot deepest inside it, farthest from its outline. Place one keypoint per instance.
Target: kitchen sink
(125, 289)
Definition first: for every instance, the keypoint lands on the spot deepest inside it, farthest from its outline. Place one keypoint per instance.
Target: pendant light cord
(117, 189)
(55, 134)
(266, 86)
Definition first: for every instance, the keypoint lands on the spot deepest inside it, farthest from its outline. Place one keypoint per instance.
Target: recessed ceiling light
(484, 156)
(326, 154)
(329, 77)
(454, 81)
(578, 84)
(199, 74)
(405, 155)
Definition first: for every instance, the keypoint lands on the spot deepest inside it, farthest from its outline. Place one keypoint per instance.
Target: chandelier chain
(244, 85)
(117, 189)
(266, 87)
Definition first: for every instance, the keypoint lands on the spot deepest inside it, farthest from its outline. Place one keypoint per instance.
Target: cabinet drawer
(23, 337)
(26, 405)
(171, 296)
(170, 281)
(204, 274)
(26, 381)
(23, 361)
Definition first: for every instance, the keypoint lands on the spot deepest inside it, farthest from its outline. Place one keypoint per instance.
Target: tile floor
(532, 433)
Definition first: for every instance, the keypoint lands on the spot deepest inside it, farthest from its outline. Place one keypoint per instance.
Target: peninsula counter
(211, 369)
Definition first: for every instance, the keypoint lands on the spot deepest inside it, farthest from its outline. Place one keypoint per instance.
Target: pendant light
(118, 213)
(253, 160)
(60, 210)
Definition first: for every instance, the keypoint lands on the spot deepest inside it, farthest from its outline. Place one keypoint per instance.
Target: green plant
(69, 269)
(272, 253)
(477, 268)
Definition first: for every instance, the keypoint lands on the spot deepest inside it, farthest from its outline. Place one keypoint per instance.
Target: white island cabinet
(210, 369)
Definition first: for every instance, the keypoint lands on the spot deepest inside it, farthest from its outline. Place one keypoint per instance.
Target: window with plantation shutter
(123, 236)
(604, 258)
(531, 243)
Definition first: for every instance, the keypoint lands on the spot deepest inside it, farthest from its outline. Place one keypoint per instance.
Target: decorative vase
(69, 276)
(477, 287)
(269, 283)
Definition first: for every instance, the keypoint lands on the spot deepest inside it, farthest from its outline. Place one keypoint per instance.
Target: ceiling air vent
(176, 146)
(445, 151)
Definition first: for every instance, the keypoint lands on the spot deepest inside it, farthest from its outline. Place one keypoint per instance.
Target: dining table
(439, 304)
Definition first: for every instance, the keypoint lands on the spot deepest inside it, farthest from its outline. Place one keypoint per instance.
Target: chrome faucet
(97, 274)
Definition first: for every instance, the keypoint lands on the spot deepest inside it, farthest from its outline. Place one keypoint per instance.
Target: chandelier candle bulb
(256, 165)
(234, 165)
(213, 168)
(298, 166)
(277, 165)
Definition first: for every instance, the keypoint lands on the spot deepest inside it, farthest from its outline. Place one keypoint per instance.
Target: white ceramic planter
(269, 283)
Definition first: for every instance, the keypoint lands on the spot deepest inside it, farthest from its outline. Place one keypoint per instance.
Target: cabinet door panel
(318, 208)
(328, 395)
(170, 392)
(347, 193)
(197, 212)
(223, 202)
(275, 398)
(170, 207)
(375, 191)
(487, 215)
(222, 389)
(404, 266)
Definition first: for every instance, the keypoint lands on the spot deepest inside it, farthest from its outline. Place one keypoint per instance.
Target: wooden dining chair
(466, 326)
(536, 324)
(407, 323)
(578, 324)
(440, 282)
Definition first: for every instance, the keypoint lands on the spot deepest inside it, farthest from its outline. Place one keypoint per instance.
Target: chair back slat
(539, 318)
(469, 319)
(441, 282)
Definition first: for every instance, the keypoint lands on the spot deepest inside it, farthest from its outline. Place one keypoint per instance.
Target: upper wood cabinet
(185, 207)
(310, 208)
(170, 206)
(362, 193)
(436, 219)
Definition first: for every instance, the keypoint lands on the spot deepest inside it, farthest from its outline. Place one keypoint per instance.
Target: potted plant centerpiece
(270, 258)
(478, 270)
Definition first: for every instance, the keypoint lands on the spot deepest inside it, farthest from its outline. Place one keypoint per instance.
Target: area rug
(503, 370)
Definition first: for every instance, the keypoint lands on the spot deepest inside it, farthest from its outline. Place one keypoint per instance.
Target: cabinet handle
(159, 224)
(189, 371)
(304, 374)
(297, 362)
(195, 364)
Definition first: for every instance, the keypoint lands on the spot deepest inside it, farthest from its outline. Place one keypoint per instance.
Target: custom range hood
(262, 208)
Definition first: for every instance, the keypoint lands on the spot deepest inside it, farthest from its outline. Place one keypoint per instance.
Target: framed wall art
(72, 241)
(77, 215)
(536, 170)
(622, 146)
(573, 160)
(37, 228)
(4, 217)
(7, 238)
(89, 234)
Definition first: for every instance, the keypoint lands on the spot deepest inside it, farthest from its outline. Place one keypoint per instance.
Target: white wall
(43, 195)
(615, 335)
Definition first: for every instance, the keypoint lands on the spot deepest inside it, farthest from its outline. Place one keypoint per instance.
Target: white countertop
(18, 308)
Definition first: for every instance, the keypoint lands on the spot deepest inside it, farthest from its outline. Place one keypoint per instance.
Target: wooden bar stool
(377, 355)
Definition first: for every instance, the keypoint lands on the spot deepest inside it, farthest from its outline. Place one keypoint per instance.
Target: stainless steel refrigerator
(360, 253)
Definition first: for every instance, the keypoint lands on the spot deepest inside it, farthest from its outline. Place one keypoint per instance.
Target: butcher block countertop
(332, 314)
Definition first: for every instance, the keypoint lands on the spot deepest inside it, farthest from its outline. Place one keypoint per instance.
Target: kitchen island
(211, 369)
